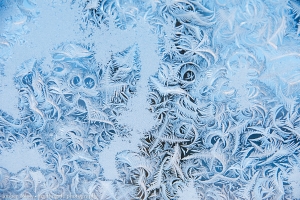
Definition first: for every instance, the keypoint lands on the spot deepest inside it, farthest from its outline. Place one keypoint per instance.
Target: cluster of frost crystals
(225, 99)
(68, 115)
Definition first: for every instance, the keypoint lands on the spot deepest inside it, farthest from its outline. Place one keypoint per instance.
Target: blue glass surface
(149, 99)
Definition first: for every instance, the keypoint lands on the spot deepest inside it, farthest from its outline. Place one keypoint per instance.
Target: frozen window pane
(128, 99)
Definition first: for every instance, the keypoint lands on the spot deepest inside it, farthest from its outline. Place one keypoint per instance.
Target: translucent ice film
(150, 99)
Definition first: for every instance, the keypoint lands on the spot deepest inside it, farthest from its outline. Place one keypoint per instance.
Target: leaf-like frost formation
(221, 101)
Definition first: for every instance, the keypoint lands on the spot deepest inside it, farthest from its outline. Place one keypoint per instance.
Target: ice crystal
(169, 99)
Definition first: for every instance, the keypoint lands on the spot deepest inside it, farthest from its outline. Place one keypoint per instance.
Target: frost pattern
(223, 104)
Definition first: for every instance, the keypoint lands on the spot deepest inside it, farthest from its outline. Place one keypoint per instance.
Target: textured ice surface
(149, 99)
